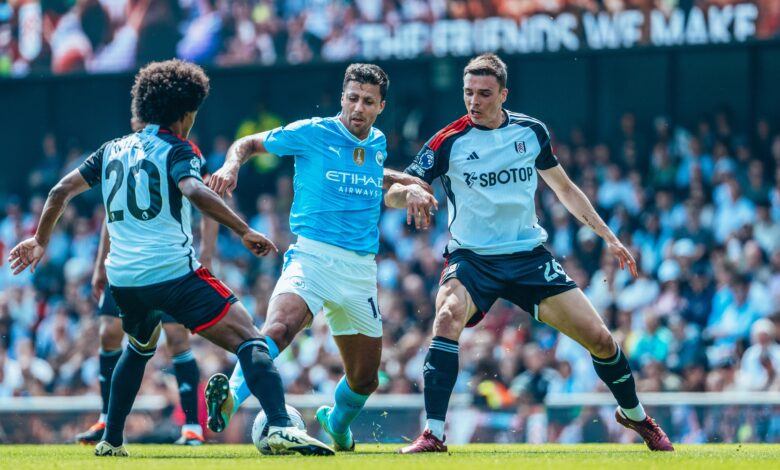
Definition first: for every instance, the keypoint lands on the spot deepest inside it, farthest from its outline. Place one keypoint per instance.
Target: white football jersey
(490, 177)
(148, 218)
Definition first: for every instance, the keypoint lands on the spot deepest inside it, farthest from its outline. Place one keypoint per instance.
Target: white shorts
(339, 282)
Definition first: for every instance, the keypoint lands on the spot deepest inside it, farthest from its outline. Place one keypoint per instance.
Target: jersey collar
(503, 124)
(343, 129)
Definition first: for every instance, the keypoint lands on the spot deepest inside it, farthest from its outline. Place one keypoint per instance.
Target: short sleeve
(291, 139)
(204, 171)
(429, 164)
(92, 168)
(546, 158)
(184, 161)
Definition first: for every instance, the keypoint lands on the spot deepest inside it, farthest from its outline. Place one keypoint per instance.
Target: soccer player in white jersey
(152, 177)
(185, 366)
(339, 178)
(488, 162)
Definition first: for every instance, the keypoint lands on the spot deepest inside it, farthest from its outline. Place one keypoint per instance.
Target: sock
(439, 375)
(188, 378)
(436, 426)
(238, 385)
(196, 428)
(108, 360)
(616, 373)
(103, 416)
(634, 414)
(128, 374)
(348, 406)
(263, 380)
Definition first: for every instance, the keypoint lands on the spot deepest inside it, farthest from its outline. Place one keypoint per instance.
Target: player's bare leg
(361, 355)
(572, 314)
(177, 339)
(287, 315)
(236, 333)
(111, 335)
(454, 307)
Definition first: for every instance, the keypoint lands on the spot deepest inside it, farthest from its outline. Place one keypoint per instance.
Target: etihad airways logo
(355, 183)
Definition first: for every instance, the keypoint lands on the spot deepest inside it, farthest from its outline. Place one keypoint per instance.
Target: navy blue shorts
(107, 308)
(197, 300)
(524, 278)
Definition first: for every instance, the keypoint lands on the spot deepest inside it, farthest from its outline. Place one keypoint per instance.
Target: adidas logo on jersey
(473, 156)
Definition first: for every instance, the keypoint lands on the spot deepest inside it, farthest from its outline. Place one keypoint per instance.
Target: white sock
(634, 414)
(436, 427)
(192, 428)
(102, 418)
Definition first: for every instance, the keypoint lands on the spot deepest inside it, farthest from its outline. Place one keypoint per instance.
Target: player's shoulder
(377, 135)
(451, 131)
(111, 146)
(312, 122)
(179, 145)
(525, 120)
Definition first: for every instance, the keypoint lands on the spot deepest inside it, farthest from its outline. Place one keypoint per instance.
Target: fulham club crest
(359, 155)
(520, 146)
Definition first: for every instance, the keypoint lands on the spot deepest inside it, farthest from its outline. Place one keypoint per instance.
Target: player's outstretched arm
(99, 278)
(30, 251)
(392, 177)
(577, 203)
(418, 202)
(224, 180)
(210, 204)
(209, 230)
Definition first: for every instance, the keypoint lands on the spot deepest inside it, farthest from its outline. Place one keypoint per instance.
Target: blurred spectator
(761, 362)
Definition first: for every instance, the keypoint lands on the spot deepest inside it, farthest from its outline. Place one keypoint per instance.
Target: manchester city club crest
(380, 159)
(520, 146)
(359, 155)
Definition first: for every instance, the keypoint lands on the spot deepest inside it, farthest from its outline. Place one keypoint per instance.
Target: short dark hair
(488, 64)
(367, 73)
(164, 92)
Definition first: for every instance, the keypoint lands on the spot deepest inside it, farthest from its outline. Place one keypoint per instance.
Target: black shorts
(197, 300)
(107, 307)
(524, 278)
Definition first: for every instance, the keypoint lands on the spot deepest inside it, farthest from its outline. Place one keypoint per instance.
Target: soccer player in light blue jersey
(339, 177)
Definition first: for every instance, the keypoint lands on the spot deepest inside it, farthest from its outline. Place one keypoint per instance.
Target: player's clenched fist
(26, 253)
(419, 206)
(224, 180)
(257, 243)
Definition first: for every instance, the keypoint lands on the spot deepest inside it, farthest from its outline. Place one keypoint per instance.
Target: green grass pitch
(381, 457)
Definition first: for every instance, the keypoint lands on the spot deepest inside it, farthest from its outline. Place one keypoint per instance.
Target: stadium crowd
(66, 36)
(699, 207)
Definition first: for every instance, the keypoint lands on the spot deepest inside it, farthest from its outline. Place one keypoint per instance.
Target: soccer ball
(260, 428)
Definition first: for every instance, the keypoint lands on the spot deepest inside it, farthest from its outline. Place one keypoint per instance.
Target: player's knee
(603, 344)
(450, 320)
(111, 336)
(176, 339)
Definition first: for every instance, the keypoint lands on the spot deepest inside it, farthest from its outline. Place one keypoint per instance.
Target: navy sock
(128, 374)
(439, 375)
(108, 360)
(188, 377)
(264, 380)
(616, 373)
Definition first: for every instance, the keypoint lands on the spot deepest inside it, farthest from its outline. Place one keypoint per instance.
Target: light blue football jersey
(338, 181)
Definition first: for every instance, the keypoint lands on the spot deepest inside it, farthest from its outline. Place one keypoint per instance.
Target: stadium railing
(724, 416)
